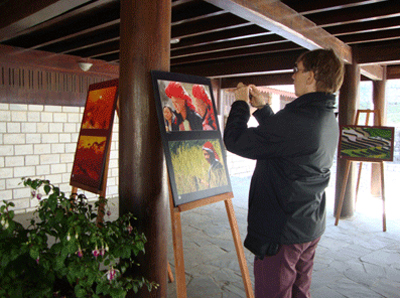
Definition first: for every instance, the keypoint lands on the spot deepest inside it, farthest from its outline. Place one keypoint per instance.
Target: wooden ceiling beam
(28, 13)
(208, 25)
(355, 14)
(385, 52)
(42, 46)
(281, 19)
(308, 7)
(393, 72)
(220, 36)
(363, 27)
(242, 65)
(236, 52)
(374, 72)
(260, 80)
(250, 42)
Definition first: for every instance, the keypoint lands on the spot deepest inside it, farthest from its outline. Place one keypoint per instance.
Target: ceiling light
(85, 66)
(175, 40)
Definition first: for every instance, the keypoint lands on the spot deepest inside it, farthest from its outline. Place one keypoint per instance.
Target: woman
(216, 171)
(188, 119)
(170, 120)
(204, 107)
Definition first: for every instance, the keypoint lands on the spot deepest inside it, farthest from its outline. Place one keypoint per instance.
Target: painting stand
(178, 240)
(347, 172)
(102, 192)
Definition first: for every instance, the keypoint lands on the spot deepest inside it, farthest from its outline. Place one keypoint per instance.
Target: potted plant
(66, 253)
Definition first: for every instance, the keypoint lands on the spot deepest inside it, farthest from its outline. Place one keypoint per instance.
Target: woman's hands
(251, 95)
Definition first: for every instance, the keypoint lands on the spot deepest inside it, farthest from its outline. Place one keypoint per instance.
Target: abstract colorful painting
(366, 143)
(95, 137)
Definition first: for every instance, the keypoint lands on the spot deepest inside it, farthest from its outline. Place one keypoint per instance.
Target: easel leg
(239, 248)
(358, 183)
(170, 275)
(383, 197)
(178, 253)
(343, 191)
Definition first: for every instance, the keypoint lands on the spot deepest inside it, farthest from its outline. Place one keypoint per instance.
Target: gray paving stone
(353, 260)
(352, 289)
(326, 292)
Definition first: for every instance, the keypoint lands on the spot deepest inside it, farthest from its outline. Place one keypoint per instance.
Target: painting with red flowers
(191, 136)
(95, 136)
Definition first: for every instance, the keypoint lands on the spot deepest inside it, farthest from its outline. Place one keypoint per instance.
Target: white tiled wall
(39, 142)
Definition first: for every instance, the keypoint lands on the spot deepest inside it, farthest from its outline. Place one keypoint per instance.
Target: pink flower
(96, 252)
(111, 274)
(79, 252)
(37, 260)
(39, 196)
(108, 213)
(130, 229)
(33, 193)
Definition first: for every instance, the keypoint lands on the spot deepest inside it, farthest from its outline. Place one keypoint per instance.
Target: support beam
(143, 191)
(378, 98)
(348, 104)
(282, 20)
(373, 72)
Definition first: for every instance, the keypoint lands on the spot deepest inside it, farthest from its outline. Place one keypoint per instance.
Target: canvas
(196, 159)
(366, 143)
(95, 136)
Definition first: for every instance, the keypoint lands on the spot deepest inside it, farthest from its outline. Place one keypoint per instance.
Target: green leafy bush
(66, 253)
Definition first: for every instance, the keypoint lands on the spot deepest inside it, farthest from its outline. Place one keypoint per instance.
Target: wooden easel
(102, 193)
(347, 172)
(178, 243)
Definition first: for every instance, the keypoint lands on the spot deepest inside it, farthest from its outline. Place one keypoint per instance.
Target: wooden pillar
(145, 46)
(378, 98)
(348, 104)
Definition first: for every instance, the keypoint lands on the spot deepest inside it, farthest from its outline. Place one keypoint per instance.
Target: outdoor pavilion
(42, 41)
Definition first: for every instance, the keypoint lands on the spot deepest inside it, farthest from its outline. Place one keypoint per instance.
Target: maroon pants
(287, 274)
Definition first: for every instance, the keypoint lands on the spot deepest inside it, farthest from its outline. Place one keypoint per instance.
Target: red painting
(98, 108)
(95, 137)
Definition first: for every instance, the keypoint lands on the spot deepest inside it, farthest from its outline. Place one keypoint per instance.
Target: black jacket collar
(313, 99)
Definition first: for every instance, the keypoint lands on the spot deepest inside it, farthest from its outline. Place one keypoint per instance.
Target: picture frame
(95, 137)
(191, 136)
(366, 143)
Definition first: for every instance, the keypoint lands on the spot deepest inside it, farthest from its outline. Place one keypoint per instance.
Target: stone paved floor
(354, 259)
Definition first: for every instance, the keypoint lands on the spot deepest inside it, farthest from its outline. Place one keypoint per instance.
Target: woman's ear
(311, 82)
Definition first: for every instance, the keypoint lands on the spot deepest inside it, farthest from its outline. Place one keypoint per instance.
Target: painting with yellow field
(198, 167)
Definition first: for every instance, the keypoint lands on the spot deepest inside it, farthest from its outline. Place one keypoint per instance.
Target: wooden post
(144, 46)
(378, 98)
(348, 102)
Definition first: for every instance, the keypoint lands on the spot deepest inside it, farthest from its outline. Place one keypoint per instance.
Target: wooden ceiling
(235, 40)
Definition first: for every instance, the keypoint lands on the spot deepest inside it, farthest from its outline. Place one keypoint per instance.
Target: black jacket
(294, 149)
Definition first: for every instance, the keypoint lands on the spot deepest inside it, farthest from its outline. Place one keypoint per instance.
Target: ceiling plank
(308, 7)
(28, 13)
(355, 14)
(385, 52)
(270, 63)
(286, 22)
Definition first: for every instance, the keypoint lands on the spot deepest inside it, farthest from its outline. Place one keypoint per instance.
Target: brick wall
(40, 141)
